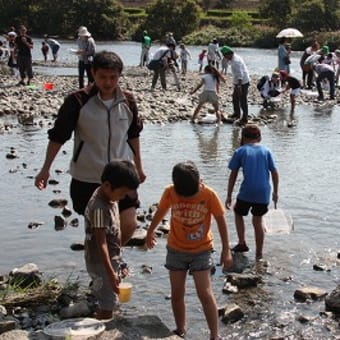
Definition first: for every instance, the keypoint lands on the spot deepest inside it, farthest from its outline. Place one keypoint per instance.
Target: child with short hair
(211, 81)
(44, 50)
(103, 236)
(201, 57)
(184, 55)
(292, 84)
(190, 241)
(257, 163)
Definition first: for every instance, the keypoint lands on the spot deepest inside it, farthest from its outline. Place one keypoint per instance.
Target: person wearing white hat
(86, 51)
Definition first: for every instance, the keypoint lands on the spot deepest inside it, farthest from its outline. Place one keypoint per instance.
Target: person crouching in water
(269, 88)
(211, 79)
(294, 85)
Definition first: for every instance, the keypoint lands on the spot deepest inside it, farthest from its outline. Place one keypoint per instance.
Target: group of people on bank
(18, 51)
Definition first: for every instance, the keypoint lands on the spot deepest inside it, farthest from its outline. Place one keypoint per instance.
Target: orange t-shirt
(191, 218)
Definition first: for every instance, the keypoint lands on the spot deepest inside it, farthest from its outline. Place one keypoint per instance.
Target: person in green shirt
(146, 44)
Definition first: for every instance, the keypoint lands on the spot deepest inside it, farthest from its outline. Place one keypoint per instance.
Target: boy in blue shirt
(257, 163)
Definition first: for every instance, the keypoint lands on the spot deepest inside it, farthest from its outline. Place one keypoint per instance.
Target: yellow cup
(125, 290)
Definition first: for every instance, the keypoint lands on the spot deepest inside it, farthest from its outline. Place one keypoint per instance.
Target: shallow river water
(308, 158)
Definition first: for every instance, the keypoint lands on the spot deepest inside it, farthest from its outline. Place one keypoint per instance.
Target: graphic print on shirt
(191, 216)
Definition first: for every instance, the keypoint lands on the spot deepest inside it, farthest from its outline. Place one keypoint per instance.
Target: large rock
(77, 310)
(7, 325)
(332, 301)
(231, 313)
(141, 327)
(25, 276)
(309, 293)
(15, 335)
(243, 280)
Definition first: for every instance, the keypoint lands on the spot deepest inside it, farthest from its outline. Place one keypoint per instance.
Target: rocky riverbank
(33, 103)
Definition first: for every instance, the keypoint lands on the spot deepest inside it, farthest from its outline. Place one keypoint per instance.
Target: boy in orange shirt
(190, 241)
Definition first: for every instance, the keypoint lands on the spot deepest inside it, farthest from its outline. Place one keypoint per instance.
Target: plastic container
(48, 86)
(125, 290)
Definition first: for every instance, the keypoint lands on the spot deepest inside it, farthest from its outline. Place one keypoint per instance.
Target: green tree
(178, 16)
(240, 20)
(317, 15)
(309, 15)
(105, 19)
(332, 14)
(224, 3)
(277, 11)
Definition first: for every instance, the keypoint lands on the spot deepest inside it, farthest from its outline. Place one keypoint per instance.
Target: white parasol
(289, 33)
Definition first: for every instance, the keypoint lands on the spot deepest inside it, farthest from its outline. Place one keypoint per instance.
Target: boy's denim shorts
(182, 261)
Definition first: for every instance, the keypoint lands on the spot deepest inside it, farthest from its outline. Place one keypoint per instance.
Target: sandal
(179, 333)
(240, 248)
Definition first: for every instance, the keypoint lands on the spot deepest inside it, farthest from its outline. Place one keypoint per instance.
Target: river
(307, 156)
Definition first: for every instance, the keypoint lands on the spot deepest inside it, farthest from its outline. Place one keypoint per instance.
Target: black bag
(157, 63)
(261, 82)
(153, 64)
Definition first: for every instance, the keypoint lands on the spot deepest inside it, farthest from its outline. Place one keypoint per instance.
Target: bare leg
(177, 281)
(128, 224)
(218, 114)
(259, 235)
(206, 296)
(196, 112)
(240, 228)
(292, 102)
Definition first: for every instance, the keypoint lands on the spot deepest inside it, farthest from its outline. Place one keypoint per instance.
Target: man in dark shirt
(23, 46)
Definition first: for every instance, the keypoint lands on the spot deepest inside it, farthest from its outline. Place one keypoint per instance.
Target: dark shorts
(81, 193)
(257, 209)
(55, 49)
(181, 261)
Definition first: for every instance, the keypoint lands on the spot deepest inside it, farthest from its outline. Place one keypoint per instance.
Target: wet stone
(35, 225)
(332, 301)
(74, 223)
(77, 246)
(67, 212)
(243, 280)
(53, 182)
(58, 203)
(59, 223)
(230, 313)
(309, 293)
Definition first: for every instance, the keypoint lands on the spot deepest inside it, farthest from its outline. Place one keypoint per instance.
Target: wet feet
(179, 333)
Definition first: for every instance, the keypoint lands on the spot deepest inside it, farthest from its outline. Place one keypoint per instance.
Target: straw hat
(83, 32)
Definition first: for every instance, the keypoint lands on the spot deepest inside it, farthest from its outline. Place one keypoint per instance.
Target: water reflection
(207, 137)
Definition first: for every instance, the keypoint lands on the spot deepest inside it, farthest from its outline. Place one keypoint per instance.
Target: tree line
(107, 19)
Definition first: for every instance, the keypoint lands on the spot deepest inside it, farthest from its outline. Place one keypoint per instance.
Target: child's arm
(226, 258)
(231, 183)
(104, 253)
(150, 236)
(197, 87)
(275, 179)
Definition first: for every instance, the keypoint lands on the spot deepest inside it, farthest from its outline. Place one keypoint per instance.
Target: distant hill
(237, 4)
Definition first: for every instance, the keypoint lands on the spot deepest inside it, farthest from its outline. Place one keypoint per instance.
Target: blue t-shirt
(256, 162)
